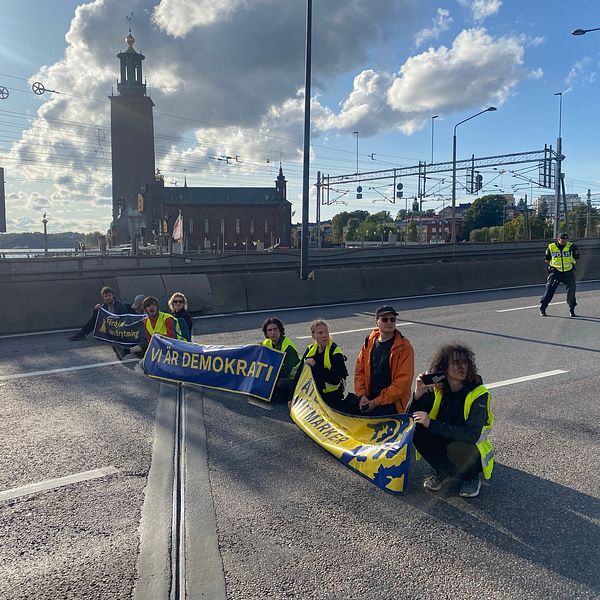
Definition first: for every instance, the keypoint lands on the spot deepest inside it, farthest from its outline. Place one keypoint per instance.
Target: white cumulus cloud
(441, 23)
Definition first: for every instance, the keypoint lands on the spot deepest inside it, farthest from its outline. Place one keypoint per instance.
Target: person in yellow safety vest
(275, 338)
(159, 322)
(453, 419)
(328, 364)
(560, 257)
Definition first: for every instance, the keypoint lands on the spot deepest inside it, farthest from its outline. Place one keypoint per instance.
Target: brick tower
(135, 212)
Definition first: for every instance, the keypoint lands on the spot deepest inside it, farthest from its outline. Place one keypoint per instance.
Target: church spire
(131, 70)
(280, 185)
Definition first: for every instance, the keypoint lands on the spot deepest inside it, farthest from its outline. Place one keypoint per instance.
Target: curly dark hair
(275, 321)
(441, 359)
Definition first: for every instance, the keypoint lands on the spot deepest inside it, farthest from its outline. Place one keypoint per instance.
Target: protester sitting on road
(136, 307)
(178, 306)
(453, 419)
(109, 303)
(274, 332)
(328, 364)
(159, 322)
(140, 349)
(384, 369)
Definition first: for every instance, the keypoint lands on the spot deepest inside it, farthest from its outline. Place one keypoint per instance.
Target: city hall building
(144, 209)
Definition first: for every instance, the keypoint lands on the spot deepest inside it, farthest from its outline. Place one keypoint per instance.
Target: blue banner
(378, 448)
(250, 370)
(126, 330)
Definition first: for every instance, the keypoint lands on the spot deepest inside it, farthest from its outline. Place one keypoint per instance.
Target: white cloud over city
(227, 80)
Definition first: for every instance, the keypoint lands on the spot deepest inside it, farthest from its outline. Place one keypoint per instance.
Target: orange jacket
(402, 366)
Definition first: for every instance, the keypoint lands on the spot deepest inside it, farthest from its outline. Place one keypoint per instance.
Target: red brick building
(221, 219)
(145, 210)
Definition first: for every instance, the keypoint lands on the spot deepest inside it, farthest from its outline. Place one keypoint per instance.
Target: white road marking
(66, 369)
(50, 484)
(332, 333)
(526, 307)
(496, 384)
(18, 335)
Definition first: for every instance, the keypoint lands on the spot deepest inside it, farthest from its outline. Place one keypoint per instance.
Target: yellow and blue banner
(126, 330)
(251, 370)
(378, 448)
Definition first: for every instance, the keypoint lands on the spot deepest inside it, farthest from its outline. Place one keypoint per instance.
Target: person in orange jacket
(384, 369)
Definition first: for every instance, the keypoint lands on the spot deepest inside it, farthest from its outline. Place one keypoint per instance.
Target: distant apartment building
(548, 201)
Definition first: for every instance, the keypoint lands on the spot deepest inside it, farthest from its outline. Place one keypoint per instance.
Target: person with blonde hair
(328, 364)
(178, 305)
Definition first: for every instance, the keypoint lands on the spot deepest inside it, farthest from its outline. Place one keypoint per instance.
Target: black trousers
(448, 457)
(350, 406)
(555, 278)
(284, 388)
(89, 326)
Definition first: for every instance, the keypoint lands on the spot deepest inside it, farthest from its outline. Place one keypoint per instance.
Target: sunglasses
(388, 319)
(178, 302)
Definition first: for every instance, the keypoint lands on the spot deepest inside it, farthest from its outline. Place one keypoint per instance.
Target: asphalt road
(292, 522)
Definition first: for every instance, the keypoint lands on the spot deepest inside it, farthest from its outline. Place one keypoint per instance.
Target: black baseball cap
(563, 236)
(384, 310)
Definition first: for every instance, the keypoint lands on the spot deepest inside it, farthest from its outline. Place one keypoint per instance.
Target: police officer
(560, 257)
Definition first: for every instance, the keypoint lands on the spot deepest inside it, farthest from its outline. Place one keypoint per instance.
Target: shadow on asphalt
(533, 518)
(264, 455)
(540, 342)
(236, 321)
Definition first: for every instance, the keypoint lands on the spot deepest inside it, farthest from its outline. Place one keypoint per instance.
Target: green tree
(412, 231)
(542, 212)
(577, 219)
(484, 212)
(479, 235)
(513, 230)
(382, 216)
(351, 229)
(339, 221)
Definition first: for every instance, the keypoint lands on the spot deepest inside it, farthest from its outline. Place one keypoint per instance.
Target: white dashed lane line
(50, 484)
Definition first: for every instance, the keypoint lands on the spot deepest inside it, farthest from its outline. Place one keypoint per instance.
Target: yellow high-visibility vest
(286, 343)
(312, 350)
(562, 258)
(483, 443)
(161, 326)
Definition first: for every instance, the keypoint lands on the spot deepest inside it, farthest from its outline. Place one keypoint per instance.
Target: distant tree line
(35, 239)
(485, 221)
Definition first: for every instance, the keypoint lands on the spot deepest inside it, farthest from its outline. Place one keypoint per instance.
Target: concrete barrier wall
(499, 273)
(279, 290)
(409, 280)
(31, 306)
(127, 288)
(228, 293)
(196, 288)
(339, 285)
(588, 267)
(46, 305)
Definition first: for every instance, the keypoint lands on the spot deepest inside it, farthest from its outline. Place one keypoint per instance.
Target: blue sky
(227, 78)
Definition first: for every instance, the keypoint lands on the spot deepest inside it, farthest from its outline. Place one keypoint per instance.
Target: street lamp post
(432, 122)
(584, 31)
(558, 169)
(45, 223)
(305, 170)
(453, 225)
